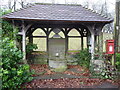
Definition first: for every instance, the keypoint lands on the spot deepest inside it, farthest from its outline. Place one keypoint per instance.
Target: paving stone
(58, 76)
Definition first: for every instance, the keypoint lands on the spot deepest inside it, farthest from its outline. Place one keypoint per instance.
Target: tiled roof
(57, 12)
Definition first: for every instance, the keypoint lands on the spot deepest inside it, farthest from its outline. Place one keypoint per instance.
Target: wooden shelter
(58, 18)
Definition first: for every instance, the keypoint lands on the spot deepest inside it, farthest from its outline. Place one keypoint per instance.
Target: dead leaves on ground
(45, 68)
(66, 82)
(63, 83)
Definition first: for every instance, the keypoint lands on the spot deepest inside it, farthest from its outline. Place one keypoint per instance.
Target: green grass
(73, 51)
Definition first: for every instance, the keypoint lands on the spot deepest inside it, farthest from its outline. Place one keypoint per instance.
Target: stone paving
(58, 76)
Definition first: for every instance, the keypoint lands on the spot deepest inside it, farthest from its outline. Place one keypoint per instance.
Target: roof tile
(57, 12)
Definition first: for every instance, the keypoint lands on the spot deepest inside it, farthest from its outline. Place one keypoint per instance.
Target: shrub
(30, 47)
(117, 61)
(13, 72)
(83, 58)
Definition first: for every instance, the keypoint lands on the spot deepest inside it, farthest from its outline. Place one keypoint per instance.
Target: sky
(110, 3)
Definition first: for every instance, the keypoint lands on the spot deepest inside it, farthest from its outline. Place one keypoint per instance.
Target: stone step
(59, 76)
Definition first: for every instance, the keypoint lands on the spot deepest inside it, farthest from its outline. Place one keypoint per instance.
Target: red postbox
(110, 46)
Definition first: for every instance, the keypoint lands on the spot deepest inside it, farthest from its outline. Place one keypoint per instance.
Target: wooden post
(117, 25)
(88, 43)
(66, 43)
(92, 45)
(47, 45)
(82, 44)
(98, 43)
(24, 42)
(31, 39)
(81, 33)
(91, 28)
(116, 31)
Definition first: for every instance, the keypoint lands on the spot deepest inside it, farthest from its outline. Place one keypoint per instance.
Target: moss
(60, 69)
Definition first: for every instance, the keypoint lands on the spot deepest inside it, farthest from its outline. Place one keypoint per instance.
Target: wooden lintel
(39, 36)
(74, 36)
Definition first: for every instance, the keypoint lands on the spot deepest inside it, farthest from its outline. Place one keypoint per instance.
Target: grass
(73, 51)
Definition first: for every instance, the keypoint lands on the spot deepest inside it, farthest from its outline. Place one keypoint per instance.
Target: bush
(13, 72)
(118, 61)
(30, 47)
(83, 58)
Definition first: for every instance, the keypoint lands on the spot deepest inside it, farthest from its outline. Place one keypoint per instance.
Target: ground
(74, 77)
